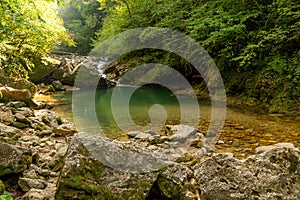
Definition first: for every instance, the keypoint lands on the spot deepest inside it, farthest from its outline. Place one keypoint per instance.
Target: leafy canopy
(28, 31)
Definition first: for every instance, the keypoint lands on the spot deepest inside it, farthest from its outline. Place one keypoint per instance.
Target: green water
(141, 102)
(241, 134)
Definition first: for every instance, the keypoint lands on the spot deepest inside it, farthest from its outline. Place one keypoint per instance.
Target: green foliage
(82, 18)
(6, 197)
(255, 44)
(28, 31)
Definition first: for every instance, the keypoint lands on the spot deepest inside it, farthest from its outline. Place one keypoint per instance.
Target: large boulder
(20, 84)
(272, 174)
(23, 95)
(99, 168)
(13, 159)
(85, 177)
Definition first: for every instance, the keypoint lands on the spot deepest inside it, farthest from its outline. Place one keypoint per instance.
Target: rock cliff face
(273, 173)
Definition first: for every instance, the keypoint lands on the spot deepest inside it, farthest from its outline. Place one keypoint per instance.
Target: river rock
(16, 104)
(19, 125)
(133, 134)
(40, 194)
(23, 95)
(180, 132)
(96, 167)
(22, 118)
(58, 86)
(13, 159)
(86, 177)
(8, 133)
(263, 149)
(49, 118)
(6, 115)
(27, 112)
(273, 174)
(64, 130)
(26, 184)
(18, 84)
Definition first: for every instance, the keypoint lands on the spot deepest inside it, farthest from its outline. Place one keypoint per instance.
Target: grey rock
(49, 118)
(180, 132)
(13, 159)
(16, 104)
(143, 136)
(273, 174)
(22, 118)
(26, 184)
(19, 125)
(40, 194)
(112, 173)
(64, 130)
(172, 182)
(58, 86)
(18, 83)
(152, 133)
(45, 132)
(35, 140)
(6, 116)
(27, 112)
(8, 131)
(263, 149)
(133, 134)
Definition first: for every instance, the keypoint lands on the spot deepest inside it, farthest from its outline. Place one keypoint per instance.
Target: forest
(255, 44)
(70, 129)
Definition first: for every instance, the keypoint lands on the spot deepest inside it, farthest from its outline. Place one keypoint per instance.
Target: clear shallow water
(242, 132)
(157, 104)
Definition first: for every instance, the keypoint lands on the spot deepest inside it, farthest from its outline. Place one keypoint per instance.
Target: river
(243, 131)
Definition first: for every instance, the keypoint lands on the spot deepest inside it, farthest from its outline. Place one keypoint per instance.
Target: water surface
(242, 133)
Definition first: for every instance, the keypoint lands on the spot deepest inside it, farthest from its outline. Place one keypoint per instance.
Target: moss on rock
(2, 187)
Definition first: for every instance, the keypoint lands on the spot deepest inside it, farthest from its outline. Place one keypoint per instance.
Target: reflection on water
(242, 132)
(143, 110)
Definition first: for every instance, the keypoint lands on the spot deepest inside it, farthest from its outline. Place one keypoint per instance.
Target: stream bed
(243, 131)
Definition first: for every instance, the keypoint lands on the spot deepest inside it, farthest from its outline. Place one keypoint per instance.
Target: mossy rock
(2, 187)
(85, 177)
(19, 125)
(169, 188)
(19, 84)
(6, 197)
(83, 180)
(14, 159)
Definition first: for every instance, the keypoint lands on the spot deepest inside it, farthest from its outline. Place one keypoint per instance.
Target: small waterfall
(100, 67)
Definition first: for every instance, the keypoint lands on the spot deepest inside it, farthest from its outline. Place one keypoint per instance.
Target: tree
(255, 44)
(28, 31)
(82, 18)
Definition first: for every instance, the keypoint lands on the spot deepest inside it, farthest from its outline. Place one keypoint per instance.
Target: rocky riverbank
(32, 147)
(41, 158)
